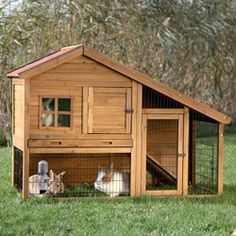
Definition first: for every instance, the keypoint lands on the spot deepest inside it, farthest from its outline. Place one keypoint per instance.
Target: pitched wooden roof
(68, 53)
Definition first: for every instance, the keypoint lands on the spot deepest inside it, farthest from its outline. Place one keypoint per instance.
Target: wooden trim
(179, 189)
(163, 111)
(141, 78)
(25, 190)
(85, 110)
(55, 114)
(80, 150)
(17, 82)
(180, 159)
(220, 157)
(134, 137)
(162, 192)
(139, 140)
(81, 136)
(13, 131)
(163, 116)
(80, 143)
(90, 110)
(54, 62)
(128, 115)
(186, 151)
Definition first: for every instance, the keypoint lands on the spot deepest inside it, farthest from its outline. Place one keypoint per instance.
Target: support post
(26, 137)
(186, 151)
(220, 157)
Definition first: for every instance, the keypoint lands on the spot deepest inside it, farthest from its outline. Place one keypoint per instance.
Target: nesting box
(82, 112)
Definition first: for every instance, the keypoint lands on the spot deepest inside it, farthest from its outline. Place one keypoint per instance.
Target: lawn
(142, 216)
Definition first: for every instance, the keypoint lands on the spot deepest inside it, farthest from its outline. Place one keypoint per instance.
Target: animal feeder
(110, 131)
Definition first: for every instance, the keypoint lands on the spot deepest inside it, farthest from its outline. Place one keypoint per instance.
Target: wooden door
(162, 154)
(109, 110)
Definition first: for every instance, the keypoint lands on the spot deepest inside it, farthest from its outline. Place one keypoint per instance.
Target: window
(56, 112)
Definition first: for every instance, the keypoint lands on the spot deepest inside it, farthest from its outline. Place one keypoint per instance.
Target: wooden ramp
(161, 170)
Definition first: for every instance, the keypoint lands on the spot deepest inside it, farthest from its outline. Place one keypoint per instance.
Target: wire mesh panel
(153, 99)
(161, 159)
(85, 174)
(18, 168)
(203, 156)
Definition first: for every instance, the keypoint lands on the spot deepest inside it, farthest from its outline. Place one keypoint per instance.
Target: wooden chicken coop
(80, 110)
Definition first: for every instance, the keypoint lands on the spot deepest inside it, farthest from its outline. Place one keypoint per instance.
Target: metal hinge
(180, 154)
(129, 110)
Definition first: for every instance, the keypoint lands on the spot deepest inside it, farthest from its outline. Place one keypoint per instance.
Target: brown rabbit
(55, 183)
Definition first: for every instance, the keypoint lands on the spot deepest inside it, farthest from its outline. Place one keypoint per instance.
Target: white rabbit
(112, 182)
(55, 184)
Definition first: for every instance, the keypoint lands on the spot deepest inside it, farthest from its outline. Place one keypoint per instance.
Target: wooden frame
(186, 151)
(220, 157)
(163, 116)
(26, 137)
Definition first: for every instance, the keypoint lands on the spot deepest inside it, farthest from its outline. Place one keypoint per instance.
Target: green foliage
(141, 216)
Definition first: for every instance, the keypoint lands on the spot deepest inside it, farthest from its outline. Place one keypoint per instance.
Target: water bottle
(43, 176)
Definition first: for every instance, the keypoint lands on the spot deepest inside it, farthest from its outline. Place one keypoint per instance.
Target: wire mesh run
(84, 175)
(153, 99)
(203, 155)
(162, 149)
(18, 168)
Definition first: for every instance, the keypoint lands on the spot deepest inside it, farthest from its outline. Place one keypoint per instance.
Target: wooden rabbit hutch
(81, 111)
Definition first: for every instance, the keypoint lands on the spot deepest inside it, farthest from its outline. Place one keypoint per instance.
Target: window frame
(55, 112)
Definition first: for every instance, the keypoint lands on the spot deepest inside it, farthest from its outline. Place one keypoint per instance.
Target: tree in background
(187, 45)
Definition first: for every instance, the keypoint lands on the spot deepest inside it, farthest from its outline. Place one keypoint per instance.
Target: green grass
(142, 216)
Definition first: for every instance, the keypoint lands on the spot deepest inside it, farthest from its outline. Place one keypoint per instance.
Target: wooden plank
(75, 135)
(80, 150)
(90, 109)
(163, 116)
(25, 190)
(220, 158)
(81, 143)
(85, 109)
(162, 111)
(18, 114)
(17, 82)
(134, 137)
(180, 159)
(186, 151)
(13, 131)
(139, 141)
(139, 77)
(162, 192)
(128, 115)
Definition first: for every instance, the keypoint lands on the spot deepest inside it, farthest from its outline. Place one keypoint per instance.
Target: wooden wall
(18, 113)
(69, 79)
